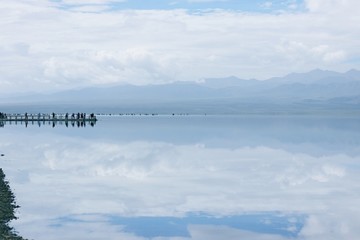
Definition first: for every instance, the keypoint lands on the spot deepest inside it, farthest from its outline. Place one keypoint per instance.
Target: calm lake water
(186, 177)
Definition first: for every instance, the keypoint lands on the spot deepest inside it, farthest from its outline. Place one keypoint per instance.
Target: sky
(51, 45)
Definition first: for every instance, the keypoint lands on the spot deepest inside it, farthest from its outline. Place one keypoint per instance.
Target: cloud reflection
(92, 187)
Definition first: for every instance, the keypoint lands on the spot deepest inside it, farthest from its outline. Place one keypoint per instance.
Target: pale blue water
(187, 177)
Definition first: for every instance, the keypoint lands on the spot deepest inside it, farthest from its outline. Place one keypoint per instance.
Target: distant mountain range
(316, 90)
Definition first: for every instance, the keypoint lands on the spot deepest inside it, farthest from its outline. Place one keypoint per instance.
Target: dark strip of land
(7, 210)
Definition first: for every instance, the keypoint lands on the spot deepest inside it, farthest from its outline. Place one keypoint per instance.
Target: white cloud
(337, 56)
(96, 229)
(58, 46)
(90, 8)
(266, 5)
(303, 55)
(105, 67)
(333, 6)
(319, 226)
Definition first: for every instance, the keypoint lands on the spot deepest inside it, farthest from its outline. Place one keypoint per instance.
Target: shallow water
(187, 177)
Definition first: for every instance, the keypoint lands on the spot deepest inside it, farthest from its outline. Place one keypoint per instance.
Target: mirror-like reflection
(190, 177)
(69, 123)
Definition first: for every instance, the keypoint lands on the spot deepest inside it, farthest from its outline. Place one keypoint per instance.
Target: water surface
(187, 177)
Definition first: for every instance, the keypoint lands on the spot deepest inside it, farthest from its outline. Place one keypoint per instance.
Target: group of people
(3, 115)
(52, 116)
(78, 116)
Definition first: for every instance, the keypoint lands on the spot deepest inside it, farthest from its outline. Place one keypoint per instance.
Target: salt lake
(186, 177)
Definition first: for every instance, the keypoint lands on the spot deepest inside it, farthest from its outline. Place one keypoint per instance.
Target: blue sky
(237, 5)
(151, 227)
(49, 45)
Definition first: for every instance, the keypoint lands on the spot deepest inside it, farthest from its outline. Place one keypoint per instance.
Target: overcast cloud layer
(53, 45)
